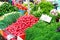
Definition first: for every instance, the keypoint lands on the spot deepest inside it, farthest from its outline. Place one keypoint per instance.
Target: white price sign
(10, 37)
(19, 38)
(45, 18)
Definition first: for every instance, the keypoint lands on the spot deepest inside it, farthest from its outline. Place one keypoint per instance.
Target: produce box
(22, 11)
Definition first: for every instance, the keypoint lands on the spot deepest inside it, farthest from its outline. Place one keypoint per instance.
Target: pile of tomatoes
(21, 25)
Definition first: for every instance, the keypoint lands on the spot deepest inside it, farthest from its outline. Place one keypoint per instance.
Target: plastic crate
(22, 11)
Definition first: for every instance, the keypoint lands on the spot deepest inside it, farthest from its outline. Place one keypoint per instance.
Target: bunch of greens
(31, 5)
(46, 7)
(7, 8)
(9, 20)
(43, 7)
(43, 31)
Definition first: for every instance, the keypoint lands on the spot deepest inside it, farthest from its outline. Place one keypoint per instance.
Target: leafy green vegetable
(42, 8)
(31, 5)
(43, 31)
(7, 8)
(46, 7)
(9, 20)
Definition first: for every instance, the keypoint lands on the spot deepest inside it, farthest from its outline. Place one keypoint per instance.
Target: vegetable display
(43, 31)
(29, 27)
(7, 8)
(43, 7)
(9, 20)
(31, 5)
(21, 24)
(21, 7)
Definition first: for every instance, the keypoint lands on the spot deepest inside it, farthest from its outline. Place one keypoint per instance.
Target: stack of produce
(21, 7)
(44, 31)
(21, 25)
(7, 8)
(11, 18)
(26, 21)
(43, 7)
(31, 5)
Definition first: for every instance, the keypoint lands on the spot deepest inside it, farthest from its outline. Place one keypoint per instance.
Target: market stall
(29, 21)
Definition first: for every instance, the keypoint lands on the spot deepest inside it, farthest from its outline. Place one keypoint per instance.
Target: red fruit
(21, 25)
(25, 8)
(13, 39)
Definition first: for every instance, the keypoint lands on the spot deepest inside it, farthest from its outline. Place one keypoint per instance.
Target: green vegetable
(46, 7)
(43, 31)
(9, 20)
(7, 8)
(42, 8)
(31, 5)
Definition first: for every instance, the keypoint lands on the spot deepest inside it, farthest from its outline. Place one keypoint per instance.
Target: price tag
(45, 18)
(19, 38)
(10, 37)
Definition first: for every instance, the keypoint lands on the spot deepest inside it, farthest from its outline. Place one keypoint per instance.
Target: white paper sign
(19, 38)
(46, 18)
(10, 37)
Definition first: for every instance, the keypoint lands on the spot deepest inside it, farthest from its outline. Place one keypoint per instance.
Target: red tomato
(21, 25)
